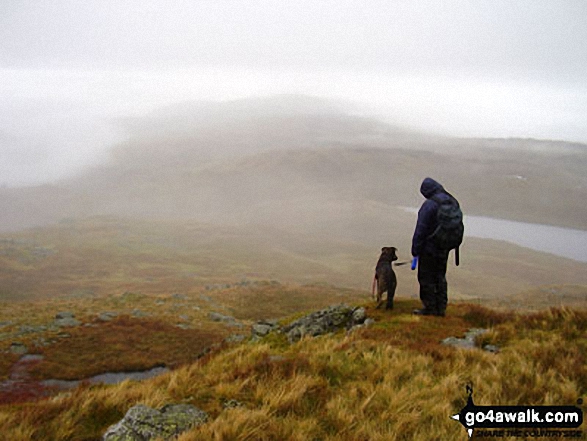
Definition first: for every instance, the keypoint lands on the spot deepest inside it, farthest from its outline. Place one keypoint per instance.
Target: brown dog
(385, 277)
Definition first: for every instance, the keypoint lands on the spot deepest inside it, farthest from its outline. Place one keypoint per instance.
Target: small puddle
(106, 378)
(21, 387)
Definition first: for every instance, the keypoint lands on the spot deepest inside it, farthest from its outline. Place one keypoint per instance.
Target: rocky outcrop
(325, 321)
(317, 323)
(143, 423)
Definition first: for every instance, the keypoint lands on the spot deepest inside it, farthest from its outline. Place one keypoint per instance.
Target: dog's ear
(394, 256)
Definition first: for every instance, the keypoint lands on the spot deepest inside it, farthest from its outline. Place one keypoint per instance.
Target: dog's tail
(401, 263)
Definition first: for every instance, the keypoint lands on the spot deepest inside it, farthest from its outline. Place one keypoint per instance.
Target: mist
(71, 72)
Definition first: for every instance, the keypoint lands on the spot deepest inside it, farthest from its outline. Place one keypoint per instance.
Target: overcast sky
(495, 68)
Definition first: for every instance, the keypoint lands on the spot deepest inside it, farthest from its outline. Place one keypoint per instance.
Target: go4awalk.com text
(521, 421)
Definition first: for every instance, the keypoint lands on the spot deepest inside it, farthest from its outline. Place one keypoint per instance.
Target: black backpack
(448, 235)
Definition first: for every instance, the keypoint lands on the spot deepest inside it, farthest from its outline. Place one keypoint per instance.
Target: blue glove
(414, 262)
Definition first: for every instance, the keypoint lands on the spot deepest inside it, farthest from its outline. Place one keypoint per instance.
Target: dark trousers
(432, 279)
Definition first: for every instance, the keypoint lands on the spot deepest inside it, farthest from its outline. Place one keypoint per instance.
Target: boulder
(491, 348)
(143, 423)
(66, 319)
(325, 321)
(264, 327)
(226, 319)
(107, 316)
(18, 348)
(468, 342)
(359, 315)
(217, 317)
(317, 323)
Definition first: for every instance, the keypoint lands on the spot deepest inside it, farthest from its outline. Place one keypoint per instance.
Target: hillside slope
(393, 380)
(105, 256)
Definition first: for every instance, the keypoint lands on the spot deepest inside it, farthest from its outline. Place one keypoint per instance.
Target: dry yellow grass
(366, 385)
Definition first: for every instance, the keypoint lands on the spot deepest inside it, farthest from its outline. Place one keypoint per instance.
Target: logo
(523, 421)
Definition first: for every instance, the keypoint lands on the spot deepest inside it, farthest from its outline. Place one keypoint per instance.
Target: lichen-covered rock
(325, 321)
(359, 315)
(143, 423)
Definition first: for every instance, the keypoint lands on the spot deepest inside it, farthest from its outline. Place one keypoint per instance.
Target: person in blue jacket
(432, 261)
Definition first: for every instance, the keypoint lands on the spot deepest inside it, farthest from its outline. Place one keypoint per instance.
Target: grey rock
(325, 321)
(261, 329)
(459, 342)
(468, 342)
(491, 348)
(473, 333)
(27, 329)
(18, 348)
(142, 423)
(65, 323)
(66, 319)
(107, 316)
(359, 315)
(217, 317)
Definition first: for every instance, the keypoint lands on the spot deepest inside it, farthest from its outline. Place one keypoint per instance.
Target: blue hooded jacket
(427, 222)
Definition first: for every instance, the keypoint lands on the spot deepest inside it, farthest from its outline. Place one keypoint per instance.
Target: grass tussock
(392, 381)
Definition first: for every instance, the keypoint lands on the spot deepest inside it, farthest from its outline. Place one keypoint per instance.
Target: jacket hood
(430, 187)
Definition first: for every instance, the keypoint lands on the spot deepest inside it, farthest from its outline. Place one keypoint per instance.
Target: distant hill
(293, 189)
(292, 160)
